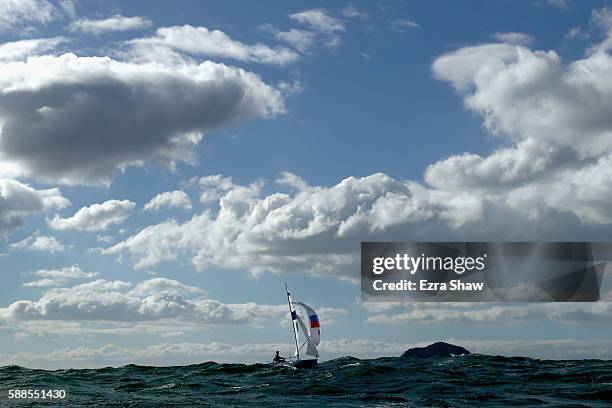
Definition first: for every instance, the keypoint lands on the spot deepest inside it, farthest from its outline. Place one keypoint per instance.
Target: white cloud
(154, 326)
(459, 67)
(488, 313)
(17, 14)
(320, 22)
(18, 200)
(555, 116)
(301, 40)
(186, 353)
(143, 52)
(601, 23)
(318, 19)
(315, 230)
(153, 306)
(19, 50)
(58, 277)
(160, 242)
(402, 24)
(577, 33)
(105, 238)
(41, 243)
(555, 349)
(216, 43)
(290, 88)
(72, 119)
(322, 30)
(169, 199)
(550, 182)
(69, 7)
(95, 217)
(602, 19)
(114, 23)
(164, 354)
(514, 38)
(352, 12)
(289, 179)
(215, 187)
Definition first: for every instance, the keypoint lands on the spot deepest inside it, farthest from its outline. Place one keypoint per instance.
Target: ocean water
(466, 381)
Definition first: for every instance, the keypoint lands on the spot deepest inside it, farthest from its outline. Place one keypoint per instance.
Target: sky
(166, 167)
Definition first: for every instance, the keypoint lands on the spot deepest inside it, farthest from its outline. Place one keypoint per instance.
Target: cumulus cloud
(551, 180)
(458, 67)
(216, 43)
(114, 23)
(169, 199)
(19, 50)
(317, 230)
(107, 300)
(215, 187)
(17, 14)
(58, 277)
(554, 114)
(18, 200)
(289, 179)
(309, 229)
(95, 217)
(153, 306)
(73, 119)
(41, 243)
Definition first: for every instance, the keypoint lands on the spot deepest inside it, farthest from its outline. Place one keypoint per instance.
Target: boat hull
(304, 363)
(298, 363)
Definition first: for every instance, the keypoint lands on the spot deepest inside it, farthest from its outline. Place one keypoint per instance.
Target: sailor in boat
(278, 358)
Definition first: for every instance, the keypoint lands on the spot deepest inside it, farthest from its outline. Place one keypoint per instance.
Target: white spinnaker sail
(311, 349)
(313, 323)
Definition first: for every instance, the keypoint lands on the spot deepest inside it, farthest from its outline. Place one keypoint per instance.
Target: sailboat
(311, 332)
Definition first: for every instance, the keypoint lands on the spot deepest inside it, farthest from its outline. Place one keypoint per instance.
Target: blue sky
(164, 170)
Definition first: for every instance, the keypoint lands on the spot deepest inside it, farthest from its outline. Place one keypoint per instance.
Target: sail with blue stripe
(304, 319)
(314, 332)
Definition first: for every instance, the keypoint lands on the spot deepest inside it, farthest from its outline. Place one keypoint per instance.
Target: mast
(297, 348)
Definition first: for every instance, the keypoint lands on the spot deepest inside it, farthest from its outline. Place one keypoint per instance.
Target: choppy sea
(464, 381)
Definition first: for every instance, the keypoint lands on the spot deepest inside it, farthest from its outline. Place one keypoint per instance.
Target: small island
(439, 349)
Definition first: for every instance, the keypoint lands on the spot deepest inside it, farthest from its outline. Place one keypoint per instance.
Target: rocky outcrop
(439, 349)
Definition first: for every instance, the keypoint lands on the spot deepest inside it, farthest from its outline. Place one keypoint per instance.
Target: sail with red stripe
(314, 323)
(304, 319)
